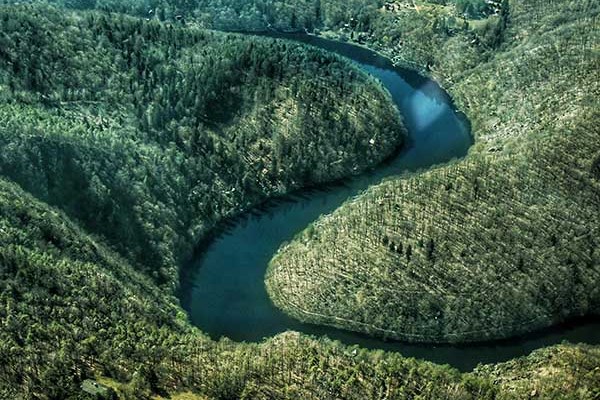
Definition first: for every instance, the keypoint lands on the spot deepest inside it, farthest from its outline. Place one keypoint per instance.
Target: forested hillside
(499, 244)
(123, 141)
(149, 135)
(59, 327)
(414, 29)
(549, 373)
(238, 15)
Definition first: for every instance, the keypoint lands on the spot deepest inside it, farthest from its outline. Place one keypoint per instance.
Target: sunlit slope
(562, 371)
(498, 244)
(149, 134)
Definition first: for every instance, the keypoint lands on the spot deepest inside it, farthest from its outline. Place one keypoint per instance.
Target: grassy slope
(501, 243)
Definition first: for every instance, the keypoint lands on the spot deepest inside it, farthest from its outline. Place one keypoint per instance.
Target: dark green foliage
(473, 8)
(63, 293)
(492, 33)
(415, 31)
(76, 310)
(596, 168)
(145, 135)
(150, 134)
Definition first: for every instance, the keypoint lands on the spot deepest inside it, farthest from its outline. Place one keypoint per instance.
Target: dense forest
(418, 25)
(125, 140)
(499, 244)
(150, 134)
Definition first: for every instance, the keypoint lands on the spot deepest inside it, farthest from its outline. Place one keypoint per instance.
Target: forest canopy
(502, 243)
(125, 140)
(149, 134)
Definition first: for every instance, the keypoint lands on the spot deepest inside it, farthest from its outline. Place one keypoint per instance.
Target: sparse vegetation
(548, 373)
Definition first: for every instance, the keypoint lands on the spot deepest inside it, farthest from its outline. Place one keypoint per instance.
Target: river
(223, 290)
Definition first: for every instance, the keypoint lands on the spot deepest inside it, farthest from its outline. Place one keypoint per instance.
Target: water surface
(223, 287)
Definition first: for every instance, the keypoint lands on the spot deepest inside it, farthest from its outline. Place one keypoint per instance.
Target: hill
(123, 143)
(499, 244)
(150, 134)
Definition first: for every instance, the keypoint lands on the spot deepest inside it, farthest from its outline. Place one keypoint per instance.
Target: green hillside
(124, 141)
(551, 372)
(149, 135)
(499, 244)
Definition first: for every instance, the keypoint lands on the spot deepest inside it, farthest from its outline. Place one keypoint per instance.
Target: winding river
(222, 288)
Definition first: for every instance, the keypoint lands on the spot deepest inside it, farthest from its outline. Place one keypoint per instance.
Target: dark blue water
(223, 287)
